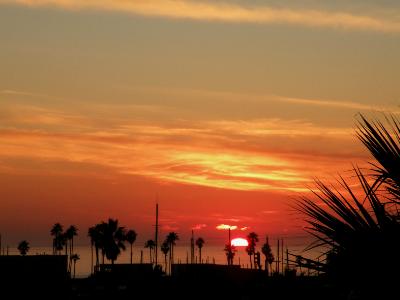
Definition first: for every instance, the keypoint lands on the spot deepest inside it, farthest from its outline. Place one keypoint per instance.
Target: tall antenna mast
(156, 233)
(192, 248)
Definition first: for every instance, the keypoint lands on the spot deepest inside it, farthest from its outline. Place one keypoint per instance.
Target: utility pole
(282, 260)
(277, 261)
(192, 248)
(156, 252)
(287, 258)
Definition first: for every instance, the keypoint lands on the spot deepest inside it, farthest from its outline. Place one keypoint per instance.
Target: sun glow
(239, 242)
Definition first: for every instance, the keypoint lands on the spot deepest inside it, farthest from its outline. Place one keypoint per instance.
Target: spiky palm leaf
(384, 145)
(352, 230)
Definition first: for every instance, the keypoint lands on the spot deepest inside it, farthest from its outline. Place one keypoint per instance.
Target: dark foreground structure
(197, 281)
(46, 277)
(34, 277)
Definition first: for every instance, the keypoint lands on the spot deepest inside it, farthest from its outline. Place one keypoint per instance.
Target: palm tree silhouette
(165, 249)
(252, 238)
(131, 238)
(230, 252)
(172, 237)
(23, 247)
(56, 232)
(269, 257)
(200, 243)
(95, 241)
(64, 242)
(151, 245)
(355, 226)
(113, 237)
(383, 142)
(70, 233)
(74, 258)
(92, 236)
(101, 229)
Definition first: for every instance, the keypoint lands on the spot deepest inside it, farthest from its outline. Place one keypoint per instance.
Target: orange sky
(223, 112)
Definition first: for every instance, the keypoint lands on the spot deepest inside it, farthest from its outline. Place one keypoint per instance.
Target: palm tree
(131, 238)
(269, 257)
(113, 237)
(101, 229)
(61, 242)
(74, 258)
(56, 232)
(230, 252)
(250, 252)
(165, 249)
(355, 226)
(92, 236)
(172, 237)
(70, 233)
(64, 242)
(151, 245)
(23, 247)
(200, 243)
(95, 242)
(383, 142)
(69, 237)
(252, 238)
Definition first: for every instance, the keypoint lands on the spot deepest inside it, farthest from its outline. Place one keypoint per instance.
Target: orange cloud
(259, 155)
(224, 12)
(226, 227)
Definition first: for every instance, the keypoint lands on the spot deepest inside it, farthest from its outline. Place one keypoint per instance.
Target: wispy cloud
(262, 154)
(225, 12)
(226, 227)
(330, 103)
(265, 97)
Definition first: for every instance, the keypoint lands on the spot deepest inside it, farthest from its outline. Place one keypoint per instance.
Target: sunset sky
(224, 111)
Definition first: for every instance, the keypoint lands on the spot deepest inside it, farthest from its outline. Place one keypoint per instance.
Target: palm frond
(384, 145)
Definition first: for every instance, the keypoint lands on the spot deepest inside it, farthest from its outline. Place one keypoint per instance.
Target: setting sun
(239, 242)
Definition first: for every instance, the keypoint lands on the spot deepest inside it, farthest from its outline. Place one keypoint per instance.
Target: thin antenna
(156, 232)
(192, 248)
(277, 261)
(282, 257)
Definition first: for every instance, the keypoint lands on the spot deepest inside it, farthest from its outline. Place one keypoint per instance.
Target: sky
(222, 111)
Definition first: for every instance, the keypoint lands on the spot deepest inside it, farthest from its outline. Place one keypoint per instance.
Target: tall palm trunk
(251, 262)
(91, 258)
(97, 256)
(151, 260)
(200, 254)
(74, 267)
(131, 253)
(170, 257)
(266, 266)
(165, 261)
